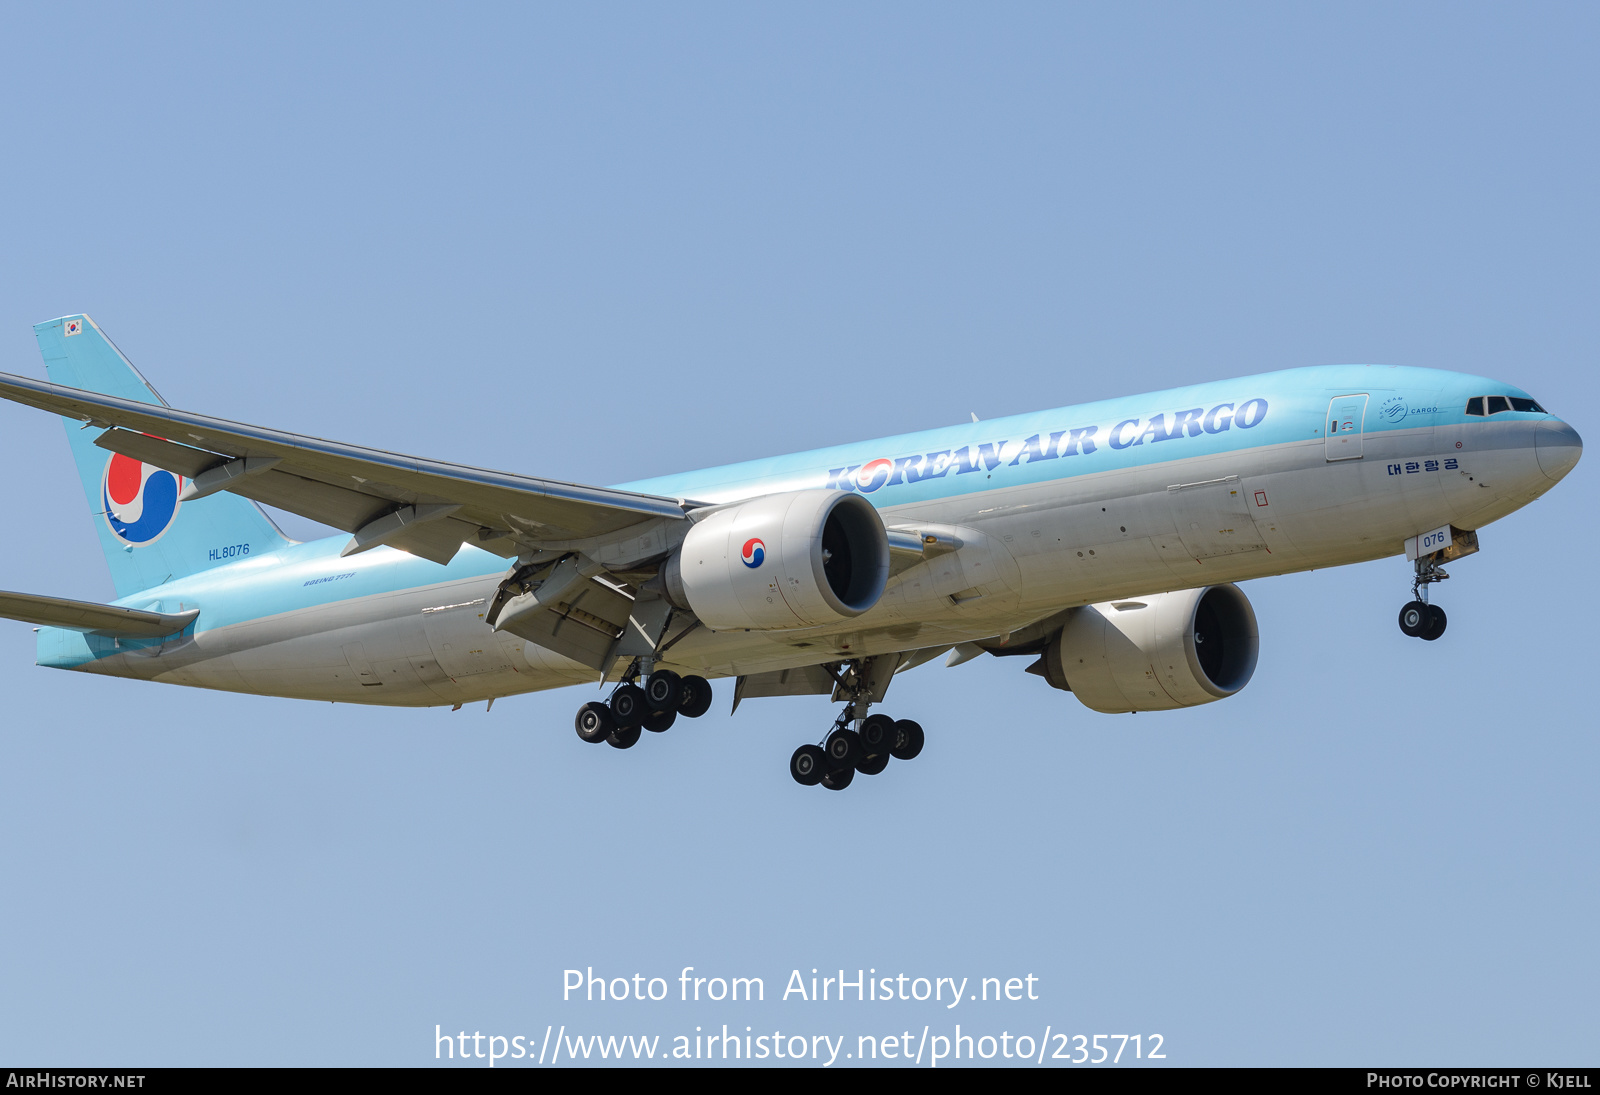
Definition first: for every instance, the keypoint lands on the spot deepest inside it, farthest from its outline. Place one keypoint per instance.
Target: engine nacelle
(802, 559)
(1157, 653)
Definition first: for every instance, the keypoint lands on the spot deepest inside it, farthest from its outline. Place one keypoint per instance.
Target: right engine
(802, 559)
(1156, 653)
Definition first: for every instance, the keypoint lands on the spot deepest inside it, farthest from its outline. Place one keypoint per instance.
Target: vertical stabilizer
(148, 535)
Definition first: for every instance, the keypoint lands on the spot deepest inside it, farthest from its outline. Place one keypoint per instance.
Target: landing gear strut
(857, 742)
(1418, 618)
(655, 705)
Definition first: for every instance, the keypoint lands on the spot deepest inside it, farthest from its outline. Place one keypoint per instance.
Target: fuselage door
(1346, 416)
(1212, 518)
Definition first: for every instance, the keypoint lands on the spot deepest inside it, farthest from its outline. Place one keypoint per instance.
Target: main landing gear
(865, 748)
(858, 742)
(1418, 618)
(633, 708)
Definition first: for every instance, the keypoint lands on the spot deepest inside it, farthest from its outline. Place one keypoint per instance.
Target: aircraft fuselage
(1220, 482)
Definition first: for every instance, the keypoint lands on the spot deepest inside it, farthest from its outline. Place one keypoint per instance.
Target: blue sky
(607, 243)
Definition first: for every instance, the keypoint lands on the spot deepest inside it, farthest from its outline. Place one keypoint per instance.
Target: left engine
(802, 559)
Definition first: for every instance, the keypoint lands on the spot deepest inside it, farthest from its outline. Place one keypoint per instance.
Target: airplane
(1103, 541)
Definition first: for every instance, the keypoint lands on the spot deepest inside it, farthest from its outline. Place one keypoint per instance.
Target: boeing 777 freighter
(1100, 540)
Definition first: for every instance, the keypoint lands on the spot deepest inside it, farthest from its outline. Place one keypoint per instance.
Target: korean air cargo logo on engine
(754, 552)
(141, 500)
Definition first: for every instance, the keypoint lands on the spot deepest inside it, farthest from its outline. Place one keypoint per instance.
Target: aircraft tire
(694, 697)
(877, 735)
(871, 766)
(594, 723)
(808, 765)
(621, 738)
(657, 721)
(844, 750)
(908, 740)
(661, 690)
(1413, 618)
(838, 779)
(628, 705)
(1436, 623)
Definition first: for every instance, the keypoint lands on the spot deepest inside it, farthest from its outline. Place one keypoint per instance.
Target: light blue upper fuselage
(947, 462)
(1295, 402)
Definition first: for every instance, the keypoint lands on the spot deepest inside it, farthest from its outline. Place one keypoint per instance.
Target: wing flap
(340, 507)
(807, 680)
(97, 619)
(583, 626)
(182, 459)
(437, 540)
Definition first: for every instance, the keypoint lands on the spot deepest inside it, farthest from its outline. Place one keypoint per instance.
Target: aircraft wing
(427, 507)
(96, 618)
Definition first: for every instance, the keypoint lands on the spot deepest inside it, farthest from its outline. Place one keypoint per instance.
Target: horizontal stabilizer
(91, 617)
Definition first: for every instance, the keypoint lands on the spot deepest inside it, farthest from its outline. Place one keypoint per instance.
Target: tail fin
(147, 540)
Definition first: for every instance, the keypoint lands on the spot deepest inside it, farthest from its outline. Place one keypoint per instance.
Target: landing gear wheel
(877, 735)
(838, 779)
(657, 721)
(628, 705)
(661, 690)
(908, 740)
(1435, 625)
(844, 749)
(808, 765)
(1413, 618)
(594, 722)
(871, 766)
(624, 739)
(694, 697)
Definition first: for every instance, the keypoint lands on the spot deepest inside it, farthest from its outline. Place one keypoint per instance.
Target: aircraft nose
(1558, 447)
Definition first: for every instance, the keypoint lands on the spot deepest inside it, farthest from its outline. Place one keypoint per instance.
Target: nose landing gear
(1418, 618)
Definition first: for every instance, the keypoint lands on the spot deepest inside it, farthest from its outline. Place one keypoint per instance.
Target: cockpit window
(1497, 403)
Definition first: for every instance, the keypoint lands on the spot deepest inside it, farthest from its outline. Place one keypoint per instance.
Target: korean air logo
(754, 552)
(141, 500)
(869, 477)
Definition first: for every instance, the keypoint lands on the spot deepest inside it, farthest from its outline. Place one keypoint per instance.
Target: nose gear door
(1346, 418)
